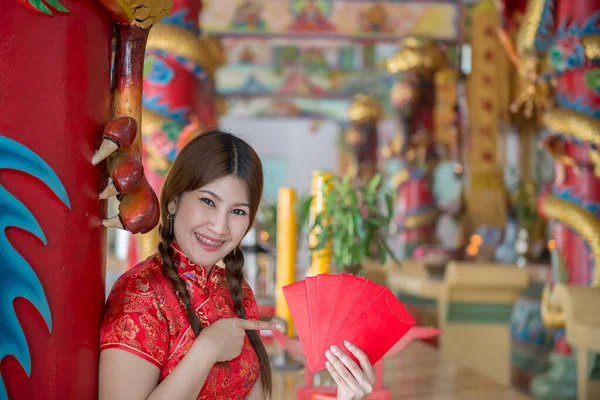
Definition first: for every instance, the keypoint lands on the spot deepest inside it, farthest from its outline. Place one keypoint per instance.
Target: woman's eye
(237, 211)
(208, 201)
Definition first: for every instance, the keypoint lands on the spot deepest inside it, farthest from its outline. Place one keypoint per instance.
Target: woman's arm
(124, 375)
(257, 392)
(127, 376)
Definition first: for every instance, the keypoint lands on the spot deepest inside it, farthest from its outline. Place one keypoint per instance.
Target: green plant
(353, 224)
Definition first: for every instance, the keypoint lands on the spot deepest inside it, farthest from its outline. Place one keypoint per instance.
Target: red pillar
(55, 100)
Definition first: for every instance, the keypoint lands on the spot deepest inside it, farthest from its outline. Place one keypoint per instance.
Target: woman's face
(211, 221)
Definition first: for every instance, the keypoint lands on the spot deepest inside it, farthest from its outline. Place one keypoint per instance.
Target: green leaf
(381, 253)
(57, 6)
(360, 227)
(389, 202)
(304, 212)
(388, 250)
(374, 183)
(41, 7)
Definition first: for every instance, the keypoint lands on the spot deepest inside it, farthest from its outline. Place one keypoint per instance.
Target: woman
(179, 327)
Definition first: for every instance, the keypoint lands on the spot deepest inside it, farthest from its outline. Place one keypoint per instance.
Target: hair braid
(165, 250)
(234, 273)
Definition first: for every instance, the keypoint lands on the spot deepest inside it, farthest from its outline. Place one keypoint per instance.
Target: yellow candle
(286, 252)
(320, 259)
(147, 243)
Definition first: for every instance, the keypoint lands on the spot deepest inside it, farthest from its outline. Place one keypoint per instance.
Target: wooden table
(418, 373)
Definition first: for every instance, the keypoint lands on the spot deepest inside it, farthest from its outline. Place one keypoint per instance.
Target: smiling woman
(161, 309)
(177, 325)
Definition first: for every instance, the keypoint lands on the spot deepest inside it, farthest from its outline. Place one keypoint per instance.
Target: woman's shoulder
(142, 279)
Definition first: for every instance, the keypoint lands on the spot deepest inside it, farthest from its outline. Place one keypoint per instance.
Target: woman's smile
(207, 243)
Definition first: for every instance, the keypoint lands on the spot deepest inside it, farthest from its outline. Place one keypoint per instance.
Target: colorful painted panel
(301, 77)
(288, 107)
(333, 69)
(332, 19)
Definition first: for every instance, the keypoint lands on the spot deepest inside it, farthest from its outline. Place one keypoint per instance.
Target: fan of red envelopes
(330, 309)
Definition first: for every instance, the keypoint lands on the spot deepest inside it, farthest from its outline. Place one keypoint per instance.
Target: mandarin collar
(189, 269)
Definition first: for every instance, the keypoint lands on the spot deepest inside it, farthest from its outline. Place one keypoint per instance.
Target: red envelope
(295, 296)
(313, 304)
(378, 328)
(327, 288)
(349, 290)
(369, 292)
(356, 310)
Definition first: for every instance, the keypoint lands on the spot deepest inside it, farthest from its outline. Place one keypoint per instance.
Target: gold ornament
(364, 108)
(582, 221)
(402, 93)
(152, 121)
(416, 54)
(591, 45)
(536, 94)
(574, 124)
(143, 13)
(203, 50)
(529, 26)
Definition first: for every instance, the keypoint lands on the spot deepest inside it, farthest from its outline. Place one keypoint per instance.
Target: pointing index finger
(257, 325)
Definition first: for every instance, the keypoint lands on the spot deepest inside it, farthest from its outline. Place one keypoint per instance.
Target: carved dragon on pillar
(558, 46)
(572, 50)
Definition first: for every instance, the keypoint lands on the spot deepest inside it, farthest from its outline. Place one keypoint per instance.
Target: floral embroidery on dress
(145, 316)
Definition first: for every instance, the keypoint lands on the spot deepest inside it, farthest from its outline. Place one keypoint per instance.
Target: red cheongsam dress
(145, 317)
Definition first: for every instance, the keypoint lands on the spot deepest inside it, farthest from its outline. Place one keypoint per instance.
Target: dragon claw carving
(138, 211)
(118, 133)
(121, 142)
(138, 204)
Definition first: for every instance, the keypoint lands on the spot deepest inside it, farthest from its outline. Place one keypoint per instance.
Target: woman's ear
(172, 207)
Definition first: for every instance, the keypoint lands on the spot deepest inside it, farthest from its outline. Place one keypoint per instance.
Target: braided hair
(206, 158)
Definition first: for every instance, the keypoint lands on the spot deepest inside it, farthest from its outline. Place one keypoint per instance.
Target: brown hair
(206, 158)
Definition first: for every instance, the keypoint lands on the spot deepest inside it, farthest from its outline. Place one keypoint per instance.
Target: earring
(234, 249)
(170, 218)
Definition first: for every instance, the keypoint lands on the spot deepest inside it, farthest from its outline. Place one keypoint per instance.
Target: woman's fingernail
(328, 354)
(348, 344)
(335, 349)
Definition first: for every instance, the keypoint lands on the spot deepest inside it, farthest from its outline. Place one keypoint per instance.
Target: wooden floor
(417, 373)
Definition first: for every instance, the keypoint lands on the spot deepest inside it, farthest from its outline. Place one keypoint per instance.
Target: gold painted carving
(591, 45)
(203, 50)
(143, 13)
(573, 124)
(595, 160)
(582, 221)
(416, 54)
(536, 93)
(364, 108)
(152, 121)
(529, 27)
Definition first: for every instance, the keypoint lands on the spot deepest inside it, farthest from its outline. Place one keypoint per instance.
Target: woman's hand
(354, 382)
(224, 338)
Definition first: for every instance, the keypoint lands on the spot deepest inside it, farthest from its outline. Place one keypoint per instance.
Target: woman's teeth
(208, 242)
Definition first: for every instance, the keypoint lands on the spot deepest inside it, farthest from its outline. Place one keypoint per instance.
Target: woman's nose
(219, 223)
